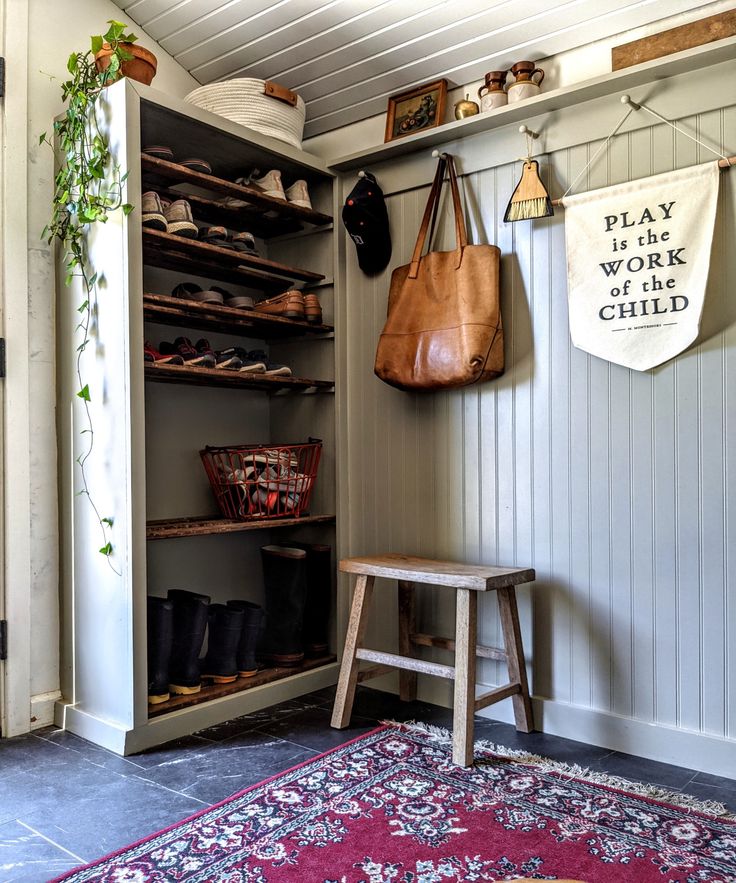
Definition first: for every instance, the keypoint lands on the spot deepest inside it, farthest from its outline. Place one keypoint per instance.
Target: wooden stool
(467, 580)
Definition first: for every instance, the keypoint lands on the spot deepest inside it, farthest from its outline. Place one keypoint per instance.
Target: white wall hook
(436, 154)
(361, 174)
(524, 130)
(627, 99)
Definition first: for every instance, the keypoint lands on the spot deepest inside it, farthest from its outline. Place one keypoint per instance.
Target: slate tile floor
(64, 802)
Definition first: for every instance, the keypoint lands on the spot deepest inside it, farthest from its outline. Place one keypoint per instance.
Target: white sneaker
(298, 194)
(270, 184)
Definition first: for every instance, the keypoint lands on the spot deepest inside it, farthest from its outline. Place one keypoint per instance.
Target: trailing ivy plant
(87, 188)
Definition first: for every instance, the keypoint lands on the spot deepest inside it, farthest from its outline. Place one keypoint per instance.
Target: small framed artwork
(420, 108)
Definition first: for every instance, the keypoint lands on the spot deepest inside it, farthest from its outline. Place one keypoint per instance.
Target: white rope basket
(246, 101)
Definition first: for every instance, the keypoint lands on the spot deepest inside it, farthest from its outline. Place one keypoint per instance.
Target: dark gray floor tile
(727, 796)
(311, 729)
(26, 857)
(246, 722)
(325, 696)
(225, 767)
(564, 750)
(171, 752)
(92, 753)
(28, 752)
(640, 769)
(92, 811)
(718, 781)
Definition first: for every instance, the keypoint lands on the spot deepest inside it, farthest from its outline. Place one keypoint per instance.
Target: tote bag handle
(430, 212)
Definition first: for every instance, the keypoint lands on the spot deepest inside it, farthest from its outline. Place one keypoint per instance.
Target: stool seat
(467, 580)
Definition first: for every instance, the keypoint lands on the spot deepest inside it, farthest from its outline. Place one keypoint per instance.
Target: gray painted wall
(615, 485)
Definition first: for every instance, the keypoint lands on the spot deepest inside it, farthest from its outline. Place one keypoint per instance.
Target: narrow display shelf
(167, 529)
(216, 691)
(215, 317)
(178, 253)
(285, 214)
(233, 379)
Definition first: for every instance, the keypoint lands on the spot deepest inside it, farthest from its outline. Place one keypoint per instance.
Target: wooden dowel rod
(722, 164)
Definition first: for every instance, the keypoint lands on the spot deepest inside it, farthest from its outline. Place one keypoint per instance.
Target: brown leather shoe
(312, 309)
(290, 305)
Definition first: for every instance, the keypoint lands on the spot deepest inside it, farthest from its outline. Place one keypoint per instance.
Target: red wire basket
(262, 481)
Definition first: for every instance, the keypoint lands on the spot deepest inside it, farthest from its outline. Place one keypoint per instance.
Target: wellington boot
(285, 581)
(190, 624)
(223, 636)
(252, 622)
(319, 598)
(160, 633)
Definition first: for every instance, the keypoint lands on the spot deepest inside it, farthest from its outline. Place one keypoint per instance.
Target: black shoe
(160, 633)
(285, 581)
(223, 637)
(252, 622)
(190, 623)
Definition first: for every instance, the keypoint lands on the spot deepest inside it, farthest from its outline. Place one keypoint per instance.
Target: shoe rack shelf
(171, 252)
(150, 420)
(168, 529)
(274, 384)
(160, 175)
(217, 691)
(167, 310)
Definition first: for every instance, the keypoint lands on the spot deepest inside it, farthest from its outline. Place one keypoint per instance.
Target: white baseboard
(42, 709)
(680, 747)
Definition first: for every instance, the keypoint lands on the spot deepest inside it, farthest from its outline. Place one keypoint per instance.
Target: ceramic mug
(495, 95)
(524, 86)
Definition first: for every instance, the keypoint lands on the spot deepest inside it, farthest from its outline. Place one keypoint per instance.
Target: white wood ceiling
(345, 57)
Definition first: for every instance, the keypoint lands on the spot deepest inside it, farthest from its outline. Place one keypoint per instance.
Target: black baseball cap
(366, 220)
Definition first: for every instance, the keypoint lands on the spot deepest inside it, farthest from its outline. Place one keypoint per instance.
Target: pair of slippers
(213, 295)
(195, 164)
(243, 242)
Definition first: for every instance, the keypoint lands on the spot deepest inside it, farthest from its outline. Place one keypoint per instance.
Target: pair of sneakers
(271, 184)
(243, 242)
(256, 362)
(200, 354)
(169, 217)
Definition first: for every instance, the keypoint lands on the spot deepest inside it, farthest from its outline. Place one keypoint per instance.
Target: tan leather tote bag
(443, 327)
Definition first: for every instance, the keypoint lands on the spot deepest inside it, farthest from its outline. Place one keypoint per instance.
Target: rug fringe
(575, 771)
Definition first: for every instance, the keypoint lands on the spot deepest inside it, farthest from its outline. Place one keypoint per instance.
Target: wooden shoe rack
(151, 420)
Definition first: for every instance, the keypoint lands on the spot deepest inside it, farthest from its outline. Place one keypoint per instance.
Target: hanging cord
(686, 134)
(728, 160)
(599, 151)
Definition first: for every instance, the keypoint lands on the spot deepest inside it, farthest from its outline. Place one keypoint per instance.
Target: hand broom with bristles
(530, 199)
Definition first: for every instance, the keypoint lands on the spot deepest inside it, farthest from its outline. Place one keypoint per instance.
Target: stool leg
(465, 644)
(407, 627)
(515, 655)
(349, 668)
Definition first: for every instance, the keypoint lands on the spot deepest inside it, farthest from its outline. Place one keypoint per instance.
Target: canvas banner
(637, 265)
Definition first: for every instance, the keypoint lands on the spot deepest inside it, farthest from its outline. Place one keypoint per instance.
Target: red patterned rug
(390, 807)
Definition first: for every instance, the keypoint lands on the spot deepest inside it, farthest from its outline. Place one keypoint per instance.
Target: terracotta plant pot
(142, 67)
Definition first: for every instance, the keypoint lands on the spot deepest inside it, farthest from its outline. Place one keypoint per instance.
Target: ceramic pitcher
(492, 93)
(524, 85)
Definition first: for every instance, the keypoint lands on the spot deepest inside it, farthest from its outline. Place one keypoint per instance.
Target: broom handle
(722, 164)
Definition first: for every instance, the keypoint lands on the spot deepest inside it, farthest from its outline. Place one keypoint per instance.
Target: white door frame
(15, 512)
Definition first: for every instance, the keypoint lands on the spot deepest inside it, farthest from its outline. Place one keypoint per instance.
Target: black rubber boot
(285, 582)
(319, 597)
(190, 623)
(252, 622)
(223, 636)
(160, 632)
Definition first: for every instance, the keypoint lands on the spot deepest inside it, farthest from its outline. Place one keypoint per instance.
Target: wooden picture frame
(416, 110)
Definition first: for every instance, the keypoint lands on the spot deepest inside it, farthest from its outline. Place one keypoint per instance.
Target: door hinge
(2, 77)
(2, 357)
(3, 639)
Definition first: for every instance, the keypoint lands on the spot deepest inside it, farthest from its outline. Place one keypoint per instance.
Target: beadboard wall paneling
(616, 485)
